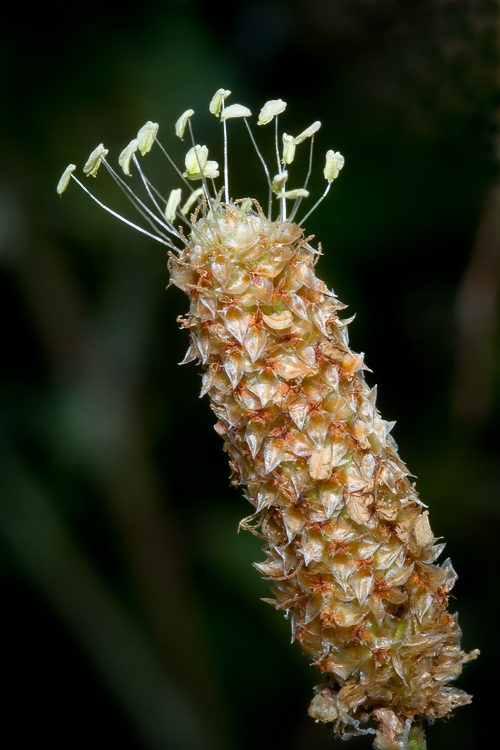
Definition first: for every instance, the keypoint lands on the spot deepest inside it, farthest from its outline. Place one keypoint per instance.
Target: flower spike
(348, 545)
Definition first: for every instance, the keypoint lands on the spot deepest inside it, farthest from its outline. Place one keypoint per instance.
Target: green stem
(416, 739)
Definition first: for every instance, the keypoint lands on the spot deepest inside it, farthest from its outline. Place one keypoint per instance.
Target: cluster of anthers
(200, 167)
(349, 547)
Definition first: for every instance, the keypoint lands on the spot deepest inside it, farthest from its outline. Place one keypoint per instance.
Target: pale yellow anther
(288, 148)
(244, 208)
(279, 182)
(333, 165)
(65, 178)
(172, 204)
(234, 110)
(180, 125)
(198, 165)
(191, 200)
(270, 110)
(146, 136)
(308, 132)
(94, 160)
(217, 99)
(292, 194)
(126, 155)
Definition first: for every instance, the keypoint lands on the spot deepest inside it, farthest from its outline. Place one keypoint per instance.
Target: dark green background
(131, 612)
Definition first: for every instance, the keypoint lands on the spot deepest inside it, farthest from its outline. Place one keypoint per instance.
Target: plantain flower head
(349, 549)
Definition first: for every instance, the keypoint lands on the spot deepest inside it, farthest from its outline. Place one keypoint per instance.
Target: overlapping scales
(349, 548)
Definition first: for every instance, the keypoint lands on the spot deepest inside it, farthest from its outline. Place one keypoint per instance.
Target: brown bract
(349, 550)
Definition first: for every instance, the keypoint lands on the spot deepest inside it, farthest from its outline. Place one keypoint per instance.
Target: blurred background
(131, 611)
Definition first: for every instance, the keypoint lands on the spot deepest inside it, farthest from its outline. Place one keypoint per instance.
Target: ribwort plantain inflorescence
(348, 545)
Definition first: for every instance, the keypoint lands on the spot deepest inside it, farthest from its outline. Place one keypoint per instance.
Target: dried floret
(349, 548)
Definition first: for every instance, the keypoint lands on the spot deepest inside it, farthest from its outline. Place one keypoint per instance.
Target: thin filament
(125, 221)
(299, 201)
(315, 205)
(226, 170)
(265, 168)
(139, 206)
(174, 165)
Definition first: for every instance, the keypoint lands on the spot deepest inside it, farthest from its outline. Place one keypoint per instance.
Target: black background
(131, 612)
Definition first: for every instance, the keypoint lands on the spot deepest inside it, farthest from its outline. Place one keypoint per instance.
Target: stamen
(270, 110)
(226, 168)
(65, 178)
(265, 168)
(139, 206)
(173, 164)
(214, 187)
(298, 193)
(191, 200)
(315, 205)
(278, 160)
(94, 161)
(180, 125)
(244, 208)
(310, 162)
(201, 174)
(217, 101)
(196, 161)
(279, 182)
(235, 110)
(147, 136)
(172, 204)
(283, 200)
(299, 201)
(333, 165)
(197, 164)
(308, 132)
(288, 148)
(146, 185)
(125, 221)
(126, 155)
